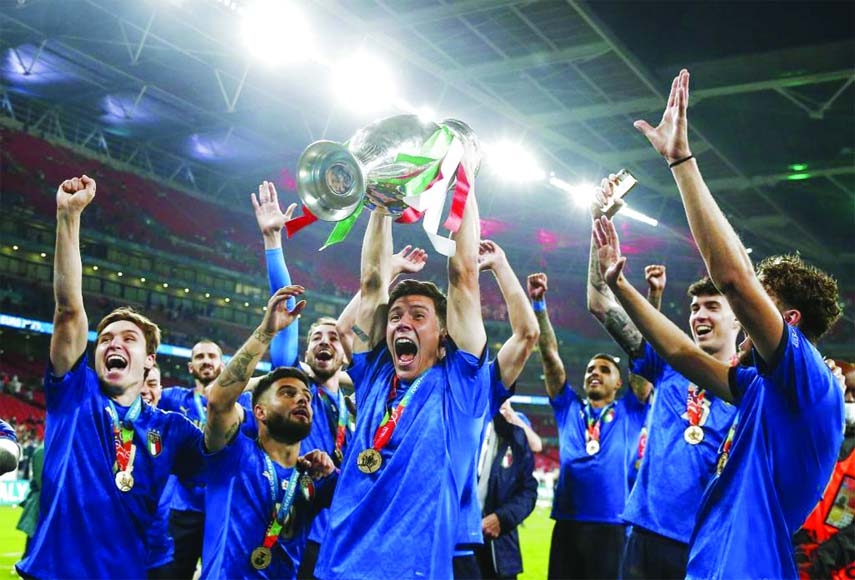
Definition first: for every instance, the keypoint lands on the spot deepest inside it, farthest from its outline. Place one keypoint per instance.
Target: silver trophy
(333, 178)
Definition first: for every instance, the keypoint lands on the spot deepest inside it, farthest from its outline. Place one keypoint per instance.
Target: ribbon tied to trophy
(400, 165)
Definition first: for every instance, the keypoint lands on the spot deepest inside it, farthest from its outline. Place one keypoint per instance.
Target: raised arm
(655, 275)
(68, 342)
(271, 220)
(727, 261)
(224, 417)
(525, 332)
(465, 324)
(664, 336)
(409, 260)
(601, 301)
(554, 375)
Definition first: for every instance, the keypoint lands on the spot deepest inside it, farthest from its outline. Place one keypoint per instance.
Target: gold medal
(722, 461)
(693, 434)
(124, 481)
(369, 460)
(261, 558)
(592, 447)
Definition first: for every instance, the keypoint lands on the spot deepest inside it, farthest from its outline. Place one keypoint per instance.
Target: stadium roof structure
(166, 88)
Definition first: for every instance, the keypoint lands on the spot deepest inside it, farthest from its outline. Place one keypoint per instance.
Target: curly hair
(418, 288)
(150, 330)
(803, 287)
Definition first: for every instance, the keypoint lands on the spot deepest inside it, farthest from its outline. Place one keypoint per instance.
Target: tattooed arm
(602, 302)
(224, 416)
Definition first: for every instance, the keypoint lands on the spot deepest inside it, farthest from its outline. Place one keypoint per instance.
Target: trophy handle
(330, 180)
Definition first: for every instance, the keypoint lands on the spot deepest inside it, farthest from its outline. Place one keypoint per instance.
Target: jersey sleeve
(468, 379)
(283, 348)
(649, 365)
(66, 392)
(562, 401)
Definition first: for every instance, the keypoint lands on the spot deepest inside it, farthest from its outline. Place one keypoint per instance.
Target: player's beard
(205, 381)
(286, 431)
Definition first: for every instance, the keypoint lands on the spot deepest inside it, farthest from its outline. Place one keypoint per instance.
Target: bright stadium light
(276, 31)
(582, 194)
(514, 161)
(362, 83)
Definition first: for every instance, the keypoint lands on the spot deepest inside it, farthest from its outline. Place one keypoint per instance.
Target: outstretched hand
(608, 250)
(537, 286)
(490, 254)
(670, 137)
(269, 216)
(277, 316)
(75, 194)
(409, 260)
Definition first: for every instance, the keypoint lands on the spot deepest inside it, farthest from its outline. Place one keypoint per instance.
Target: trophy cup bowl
(372, 167)
(330, 180)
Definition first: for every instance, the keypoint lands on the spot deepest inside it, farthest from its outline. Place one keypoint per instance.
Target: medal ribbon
(592, 426)
(694, 405)
(278, 513)
(200, 410)
(390, 420)
(728, 441)
(123, 434)
(341, 427)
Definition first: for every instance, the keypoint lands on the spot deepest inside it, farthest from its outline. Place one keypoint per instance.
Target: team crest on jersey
(508, 458)
(610, 416)
(155, 442)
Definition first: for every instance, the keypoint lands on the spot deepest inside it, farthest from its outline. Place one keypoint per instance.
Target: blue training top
(239, 508)
(788, 432)
(79, 493)
(403, 520)
(673, 474)
(593, 488)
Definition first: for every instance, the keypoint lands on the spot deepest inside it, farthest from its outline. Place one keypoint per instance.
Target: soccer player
(595, 433)
(107, 455)
(687, 424)
(261, 493)
(781, 449)
(187, 507)
(421, 387)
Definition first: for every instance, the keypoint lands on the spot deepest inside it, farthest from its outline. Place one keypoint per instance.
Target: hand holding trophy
(399, 165)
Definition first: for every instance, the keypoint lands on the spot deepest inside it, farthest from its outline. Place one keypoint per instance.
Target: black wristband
(674, 164)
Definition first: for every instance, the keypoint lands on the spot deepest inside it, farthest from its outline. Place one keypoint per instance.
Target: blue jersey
(402, 520)
(673, 475)
(593, 488)
(190, 495)
(470, 511)
(788, 432)
(161, 546)
(638, 424)
(325, 416)
(87, 527)
(239, 508)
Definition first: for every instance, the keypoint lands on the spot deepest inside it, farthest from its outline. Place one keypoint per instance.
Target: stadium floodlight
(582, 194)
(363, 83)
(513, 161)
(276, 31)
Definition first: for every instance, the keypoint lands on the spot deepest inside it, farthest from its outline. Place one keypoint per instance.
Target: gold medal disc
(592, 447)
(693, 434)
(124, 481)
(261, 558)
(369, 460)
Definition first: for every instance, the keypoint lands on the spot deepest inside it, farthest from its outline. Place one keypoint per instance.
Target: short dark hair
(803, 287)
(419, 288)
(207, 341)
(605, 356)
(322, 321)
(703, 287)
(276, 374)
(150, 330)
